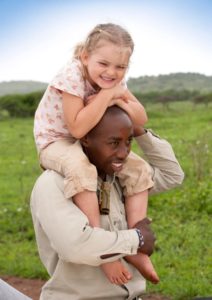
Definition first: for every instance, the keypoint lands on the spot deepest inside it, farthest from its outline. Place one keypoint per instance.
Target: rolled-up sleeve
(166, 170)
(67, 230)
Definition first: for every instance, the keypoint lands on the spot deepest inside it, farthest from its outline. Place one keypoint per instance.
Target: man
(69, 248)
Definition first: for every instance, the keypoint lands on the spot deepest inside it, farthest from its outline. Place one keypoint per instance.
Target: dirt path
(32, 287)
(29, 287)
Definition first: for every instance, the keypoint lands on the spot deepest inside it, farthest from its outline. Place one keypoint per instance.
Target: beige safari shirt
(71, 250)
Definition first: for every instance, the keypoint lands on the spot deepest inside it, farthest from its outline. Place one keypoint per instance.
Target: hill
(175, 81)
(21, 87)
(143, 84)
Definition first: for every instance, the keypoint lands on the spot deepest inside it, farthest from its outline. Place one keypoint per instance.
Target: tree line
(24, 105)
(169, 96)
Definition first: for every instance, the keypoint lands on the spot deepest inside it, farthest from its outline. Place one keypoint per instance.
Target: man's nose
(122, 152)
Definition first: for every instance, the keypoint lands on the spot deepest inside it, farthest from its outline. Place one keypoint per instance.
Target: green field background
(181, 217)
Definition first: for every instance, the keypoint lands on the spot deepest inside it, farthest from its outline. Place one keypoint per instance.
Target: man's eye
(114, 143)
(129, 142)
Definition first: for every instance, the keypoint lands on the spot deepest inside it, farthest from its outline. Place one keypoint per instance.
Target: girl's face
(107, 64)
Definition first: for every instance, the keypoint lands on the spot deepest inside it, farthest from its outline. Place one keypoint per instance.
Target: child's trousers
(70, 161)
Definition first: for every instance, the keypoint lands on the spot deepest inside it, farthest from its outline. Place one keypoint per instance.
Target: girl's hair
(109, 32)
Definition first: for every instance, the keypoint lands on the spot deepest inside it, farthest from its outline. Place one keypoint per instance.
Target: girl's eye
(103, 64)
(121, 67)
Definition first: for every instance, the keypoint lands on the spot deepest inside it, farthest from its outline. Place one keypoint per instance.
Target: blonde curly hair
(109, 32)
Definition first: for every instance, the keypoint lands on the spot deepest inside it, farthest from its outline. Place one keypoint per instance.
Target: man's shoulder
(49, 178)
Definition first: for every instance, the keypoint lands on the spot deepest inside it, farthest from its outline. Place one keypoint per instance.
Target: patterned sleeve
(70, 79)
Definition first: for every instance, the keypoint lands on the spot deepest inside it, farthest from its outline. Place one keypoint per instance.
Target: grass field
(182, 217)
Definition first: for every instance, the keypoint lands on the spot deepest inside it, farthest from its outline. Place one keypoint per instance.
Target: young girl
(72, 105)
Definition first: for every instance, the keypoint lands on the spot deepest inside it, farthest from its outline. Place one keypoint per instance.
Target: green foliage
(4, 114)
(175, 81)
(18, 171)
(20, 105)
(20, 98)
(168, 96)
(143, 84)
(21, 87)
(181, 217)
(202, 99)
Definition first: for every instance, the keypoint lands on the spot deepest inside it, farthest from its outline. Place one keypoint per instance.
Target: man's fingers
(146, 221)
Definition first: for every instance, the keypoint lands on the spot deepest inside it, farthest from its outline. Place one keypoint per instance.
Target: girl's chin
(106, 85)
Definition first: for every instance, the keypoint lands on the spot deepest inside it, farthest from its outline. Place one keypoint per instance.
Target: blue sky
(37, 37)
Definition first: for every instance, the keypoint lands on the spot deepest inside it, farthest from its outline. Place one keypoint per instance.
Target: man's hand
(148, 236)
(138, 130)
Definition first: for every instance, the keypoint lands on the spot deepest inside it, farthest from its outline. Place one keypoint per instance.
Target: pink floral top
(49, 123)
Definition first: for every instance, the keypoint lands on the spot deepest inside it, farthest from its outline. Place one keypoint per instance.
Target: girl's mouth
(107, 79)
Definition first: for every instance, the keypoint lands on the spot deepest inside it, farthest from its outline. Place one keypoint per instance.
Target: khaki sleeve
(67, 229)
(166, 170)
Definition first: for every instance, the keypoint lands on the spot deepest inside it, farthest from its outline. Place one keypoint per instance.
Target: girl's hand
(118, 92)
(118, 101)
(117, 95)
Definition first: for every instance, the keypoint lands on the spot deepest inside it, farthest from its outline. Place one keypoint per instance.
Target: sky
(38, 36)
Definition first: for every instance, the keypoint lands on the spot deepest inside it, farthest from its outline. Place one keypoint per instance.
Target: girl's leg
(69, 160)
(136, 210)
(80, 181)
(144, 265)
(136, 175)
(80, 184)
(116, 272)
(87, 202)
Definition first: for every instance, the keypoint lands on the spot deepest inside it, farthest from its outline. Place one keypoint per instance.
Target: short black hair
(113, 110)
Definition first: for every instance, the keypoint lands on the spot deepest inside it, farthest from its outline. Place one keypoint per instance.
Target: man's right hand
(148, 236)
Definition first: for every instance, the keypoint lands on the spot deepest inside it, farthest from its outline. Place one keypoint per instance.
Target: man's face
(109, 144)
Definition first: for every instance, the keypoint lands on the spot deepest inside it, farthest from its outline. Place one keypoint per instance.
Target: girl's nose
(110, 71)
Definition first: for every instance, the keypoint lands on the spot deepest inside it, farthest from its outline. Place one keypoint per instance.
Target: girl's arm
(133, 107)
(79, 118)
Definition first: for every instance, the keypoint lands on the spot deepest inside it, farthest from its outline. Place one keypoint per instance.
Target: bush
(165, 97)
(4, 114)
(20, 105)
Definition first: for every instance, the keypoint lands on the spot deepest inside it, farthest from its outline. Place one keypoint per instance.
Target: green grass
(181, 217)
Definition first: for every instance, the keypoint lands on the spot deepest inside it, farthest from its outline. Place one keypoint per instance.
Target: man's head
(108, 144)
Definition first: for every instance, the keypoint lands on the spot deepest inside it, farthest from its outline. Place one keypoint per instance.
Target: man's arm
(66, 231)
(166, 170)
